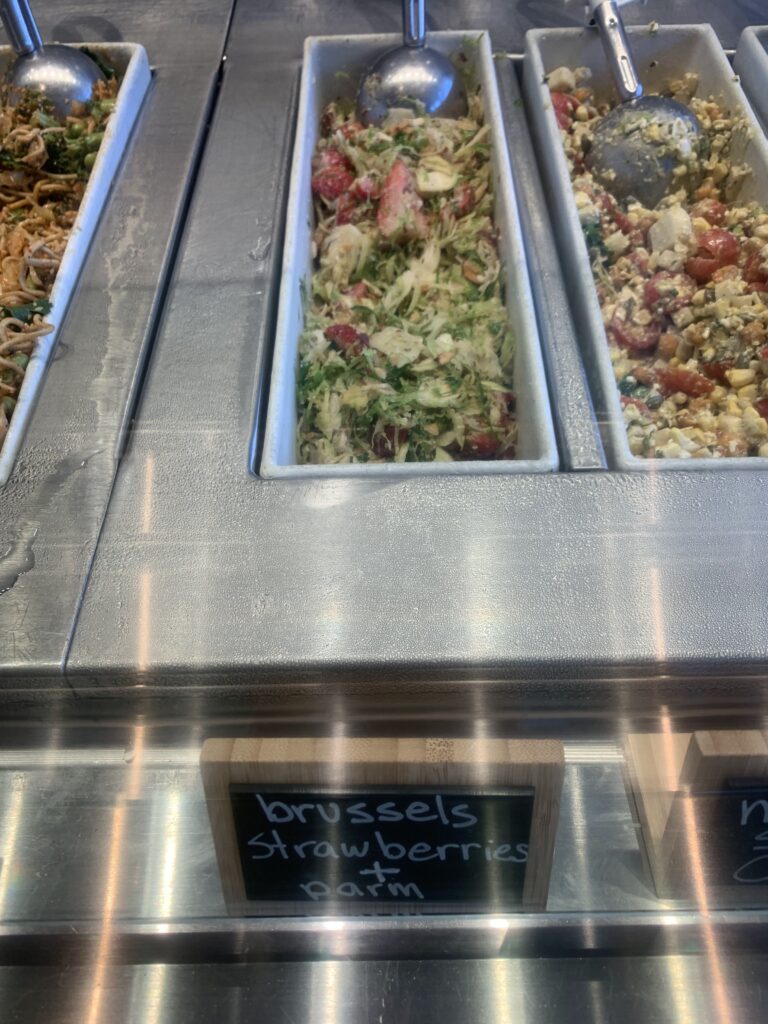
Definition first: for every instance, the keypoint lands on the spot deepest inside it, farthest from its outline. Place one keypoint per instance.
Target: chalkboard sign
(732, 831)
(701, 802)
(330, 825)
(384, 846)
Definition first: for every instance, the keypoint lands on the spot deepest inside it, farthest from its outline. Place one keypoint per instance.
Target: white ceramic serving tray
(662, 54)
(751, 65)
(130, 60)
(332, 68)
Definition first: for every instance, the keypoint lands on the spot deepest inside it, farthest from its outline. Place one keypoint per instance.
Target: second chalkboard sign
(374, 846)
(701, 802)
(353, 826)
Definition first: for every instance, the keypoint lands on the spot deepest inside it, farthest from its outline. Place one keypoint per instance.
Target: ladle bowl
(413, 78)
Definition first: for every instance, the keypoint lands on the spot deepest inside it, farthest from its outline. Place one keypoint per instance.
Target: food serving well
(661, 54)
(130, 61)
(323, 81)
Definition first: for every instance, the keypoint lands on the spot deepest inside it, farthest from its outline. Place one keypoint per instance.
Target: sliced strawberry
(388, 440)
(358, 290)
(464, 199)
(346, 209)
(346, 338)
(365, 188)
(333, 174)
(400, 216)
(481, 445)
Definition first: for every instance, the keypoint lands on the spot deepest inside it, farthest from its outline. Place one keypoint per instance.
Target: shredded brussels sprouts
(407, 352)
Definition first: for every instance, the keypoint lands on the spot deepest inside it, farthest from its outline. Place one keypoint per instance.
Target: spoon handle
(414, 31)
(616, 45)
(20, 26)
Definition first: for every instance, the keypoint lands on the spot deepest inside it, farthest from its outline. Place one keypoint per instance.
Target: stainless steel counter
(52, 509)
(205, 571)
(579, 605)
(111, 909)
(331, 992)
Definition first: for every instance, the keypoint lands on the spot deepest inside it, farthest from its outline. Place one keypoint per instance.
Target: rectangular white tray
(332, 68)
(751, 65)
(130, 60)
(661, 55)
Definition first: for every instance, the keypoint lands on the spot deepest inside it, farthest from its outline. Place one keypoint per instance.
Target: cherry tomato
(753, 269)
(634, 337)
(711, 210)
(346, 338)
(333, 174)
(716, 370)
(564, 105)
(674, 378)
(638, 403)
(667, 292)
(620, 219)
(717, 248)
(639, 261)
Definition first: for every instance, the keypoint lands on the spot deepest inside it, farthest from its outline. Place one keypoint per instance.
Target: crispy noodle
(44, 168)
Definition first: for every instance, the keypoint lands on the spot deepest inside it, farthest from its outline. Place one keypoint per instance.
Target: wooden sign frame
(314, 764)
(665, 773)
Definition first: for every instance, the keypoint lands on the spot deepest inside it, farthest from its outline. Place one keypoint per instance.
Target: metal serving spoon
(63, 74)
(412, 77)
(638, 145)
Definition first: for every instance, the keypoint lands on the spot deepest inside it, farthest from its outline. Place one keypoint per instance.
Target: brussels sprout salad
(406, 353)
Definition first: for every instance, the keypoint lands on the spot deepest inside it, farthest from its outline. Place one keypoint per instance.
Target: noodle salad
(406, 353)
(44, 168)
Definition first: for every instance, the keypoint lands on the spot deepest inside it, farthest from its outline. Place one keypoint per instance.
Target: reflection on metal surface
(696, 868)
(151, 994)
(10, 833)
(325, 990)
(149, 477)
(96, 995)
(143, 630)
(113, 879)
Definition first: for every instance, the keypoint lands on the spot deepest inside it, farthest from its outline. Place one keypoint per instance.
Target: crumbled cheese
(672, 227)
